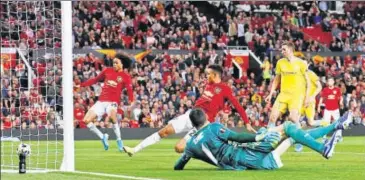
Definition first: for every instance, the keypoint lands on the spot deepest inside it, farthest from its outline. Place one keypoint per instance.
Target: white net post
(68, 163)
(27, 65)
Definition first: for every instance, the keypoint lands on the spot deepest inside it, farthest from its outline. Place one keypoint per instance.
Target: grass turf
(157, 162)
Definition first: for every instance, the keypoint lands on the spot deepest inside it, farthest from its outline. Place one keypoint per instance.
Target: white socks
(117, 131)
(340, 133)
(95, 130)
(284, 146)
(316, 123)
(152, 139)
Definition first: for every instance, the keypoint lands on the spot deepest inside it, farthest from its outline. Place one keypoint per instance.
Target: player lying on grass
(115, 80)
(211, 102)
(217, 145)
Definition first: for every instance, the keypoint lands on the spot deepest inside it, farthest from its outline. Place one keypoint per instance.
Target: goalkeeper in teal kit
(221, 147)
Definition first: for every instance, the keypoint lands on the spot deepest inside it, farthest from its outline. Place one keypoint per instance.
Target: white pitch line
(114, 175)
(28, 171)
(84, 172)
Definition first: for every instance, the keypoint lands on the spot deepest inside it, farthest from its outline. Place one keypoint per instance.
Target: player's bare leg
(89, 121)
(152, 139)
(294, 116)
(274, 116)
(116, 128)
(283, 146)
(317, 123)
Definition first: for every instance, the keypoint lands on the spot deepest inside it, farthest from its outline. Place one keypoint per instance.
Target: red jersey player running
(331, 96)
(211, 102)
(115, 80)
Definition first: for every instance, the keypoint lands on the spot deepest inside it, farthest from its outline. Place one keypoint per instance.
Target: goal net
(32, 84)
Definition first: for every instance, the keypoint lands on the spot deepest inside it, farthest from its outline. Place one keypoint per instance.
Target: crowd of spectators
(165, 85)
(30, 25)
(179, 25)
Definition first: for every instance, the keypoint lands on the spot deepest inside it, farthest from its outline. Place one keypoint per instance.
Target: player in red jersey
(331, 96)
(115, 80)
(211, 102)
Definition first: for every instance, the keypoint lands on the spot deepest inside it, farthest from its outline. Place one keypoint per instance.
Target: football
(23, 149)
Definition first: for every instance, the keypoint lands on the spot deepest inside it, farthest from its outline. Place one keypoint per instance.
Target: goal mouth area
(41, 90)
(14, 170)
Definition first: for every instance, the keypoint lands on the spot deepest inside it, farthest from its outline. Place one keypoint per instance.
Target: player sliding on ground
(211, 143)
(115, 80)
(211, 102)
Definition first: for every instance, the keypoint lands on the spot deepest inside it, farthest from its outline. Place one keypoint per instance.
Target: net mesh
(31, 83)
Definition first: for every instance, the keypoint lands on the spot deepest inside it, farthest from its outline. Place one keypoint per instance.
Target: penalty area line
(114, 175)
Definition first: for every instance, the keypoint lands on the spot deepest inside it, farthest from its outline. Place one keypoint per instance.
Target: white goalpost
(68, 163)
(37, 90)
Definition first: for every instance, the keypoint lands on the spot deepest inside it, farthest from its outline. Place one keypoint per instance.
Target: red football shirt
(212, 100)
(331, 98)
(114, 82)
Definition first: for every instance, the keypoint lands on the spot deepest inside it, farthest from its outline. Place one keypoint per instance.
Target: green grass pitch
(157, 162)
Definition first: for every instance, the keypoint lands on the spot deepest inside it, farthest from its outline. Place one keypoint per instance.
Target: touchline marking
(113, 175)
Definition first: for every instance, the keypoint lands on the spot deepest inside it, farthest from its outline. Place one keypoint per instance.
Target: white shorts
(101, 108)
(182, 123)
(331, 113)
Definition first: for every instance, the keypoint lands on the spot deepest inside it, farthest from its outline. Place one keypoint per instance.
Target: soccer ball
(23, 149)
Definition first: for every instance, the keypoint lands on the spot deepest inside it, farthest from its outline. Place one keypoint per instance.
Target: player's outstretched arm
(242, 137)
(249, 137)
(92, 81)
(318, 88)
(239, 109)
(274, 85)
(183, 160)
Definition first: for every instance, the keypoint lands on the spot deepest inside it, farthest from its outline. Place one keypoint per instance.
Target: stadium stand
(167, 85)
